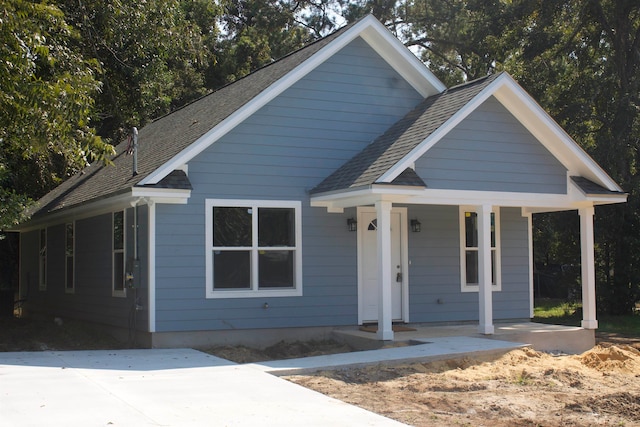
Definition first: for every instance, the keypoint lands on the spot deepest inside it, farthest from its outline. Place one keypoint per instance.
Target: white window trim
(72, 289)
(254, 292)
(42, 259)
(120, 293)
(464, 287)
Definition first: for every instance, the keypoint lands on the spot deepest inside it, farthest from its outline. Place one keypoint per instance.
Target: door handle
(399, 277)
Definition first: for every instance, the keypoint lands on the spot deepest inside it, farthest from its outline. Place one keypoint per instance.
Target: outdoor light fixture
(352, 224)
(416, 227)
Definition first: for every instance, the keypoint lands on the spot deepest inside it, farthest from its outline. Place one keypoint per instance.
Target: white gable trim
(533, 117)
(371, 30)
(401, 59)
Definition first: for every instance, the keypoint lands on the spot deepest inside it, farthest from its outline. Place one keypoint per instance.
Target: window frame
(497, 273)
(254, 291)
(69, 254)
(42, 259)
(118, 252)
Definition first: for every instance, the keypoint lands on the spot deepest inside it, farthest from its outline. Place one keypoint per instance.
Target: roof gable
(369, 28)
(490, 150)
(533, 117)
(411, 137)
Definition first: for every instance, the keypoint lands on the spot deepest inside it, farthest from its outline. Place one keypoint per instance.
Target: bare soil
(600, 387)
(524, 387)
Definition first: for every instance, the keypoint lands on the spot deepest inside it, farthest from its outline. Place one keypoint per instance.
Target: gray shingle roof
(373, 161)
(162, 139)
(590, 188)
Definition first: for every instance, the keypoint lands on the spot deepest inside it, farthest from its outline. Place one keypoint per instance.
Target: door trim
(404, 259)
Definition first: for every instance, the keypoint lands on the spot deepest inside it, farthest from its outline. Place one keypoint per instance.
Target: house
(343, 184)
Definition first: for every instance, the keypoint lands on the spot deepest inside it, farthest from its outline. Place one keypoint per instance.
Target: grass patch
(560, 312)
(557, 312)
(628, 325)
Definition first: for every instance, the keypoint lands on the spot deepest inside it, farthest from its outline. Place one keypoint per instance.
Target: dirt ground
(524, 387)
(600, 387)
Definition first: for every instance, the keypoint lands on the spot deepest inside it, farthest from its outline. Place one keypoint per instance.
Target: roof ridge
(473, 82)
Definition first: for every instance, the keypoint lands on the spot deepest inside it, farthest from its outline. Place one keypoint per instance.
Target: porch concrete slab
(427, 349)
(541, 336)
(167, 387)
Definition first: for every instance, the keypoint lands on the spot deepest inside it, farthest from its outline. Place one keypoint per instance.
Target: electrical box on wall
(133, 273)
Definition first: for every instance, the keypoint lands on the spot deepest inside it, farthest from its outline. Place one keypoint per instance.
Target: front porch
(542, 337)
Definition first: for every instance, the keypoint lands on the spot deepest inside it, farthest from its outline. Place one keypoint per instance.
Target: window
(253, 248)
(69, 257)
(42, 261)
(469, 250)
(118, 289)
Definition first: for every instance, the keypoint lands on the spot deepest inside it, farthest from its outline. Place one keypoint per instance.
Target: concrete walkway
(184, 387)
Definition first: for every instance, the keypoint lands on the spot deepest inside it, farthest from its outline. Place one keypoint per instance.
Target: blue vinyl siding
(434, 273)
(92, 299)
(280, 153)
(490, 150)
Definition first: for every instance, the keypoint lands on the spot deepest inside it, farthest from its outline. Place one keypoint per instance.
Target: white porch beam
(588, 269)
(385, 321)
(485, 293)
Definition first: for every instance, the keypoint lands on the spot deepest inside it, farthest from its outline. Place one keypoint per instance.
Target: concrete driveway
(160, 387)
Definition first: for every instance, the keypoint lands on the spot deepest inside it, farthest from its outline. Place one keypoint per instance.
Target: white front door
(368, 264)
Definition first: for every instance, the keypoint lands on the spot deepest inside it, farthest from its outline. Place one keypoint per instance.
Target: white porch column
(484, 271)
(385, 324)
(588, 268)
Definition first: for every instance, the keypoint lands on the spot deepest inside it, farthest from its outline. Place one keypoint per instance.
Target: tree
(257, 32)
(582, 61)
(153, 55)
(46, 101)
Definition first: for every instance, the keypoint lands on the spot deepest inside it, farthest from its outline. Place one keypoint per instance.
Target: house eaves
(595, 192)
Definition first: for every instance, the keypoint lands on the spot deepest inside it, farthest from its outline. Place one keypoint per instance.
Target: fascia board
(369, 25)
(429, 196)
(109, 204)
(177, 196)
(81, 211)
(439, 133)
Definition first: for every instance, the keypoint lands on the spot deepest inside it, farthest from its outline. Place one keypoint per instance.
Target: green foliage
(46, 100)
(256, 32)
(151, 54)
(560, 312)
(557, 311)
